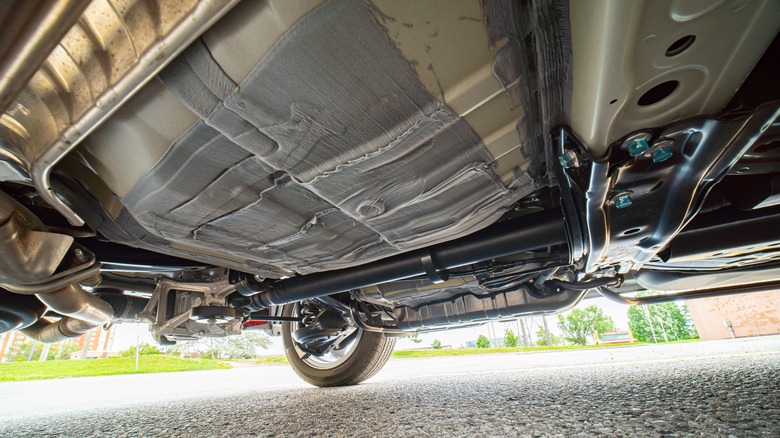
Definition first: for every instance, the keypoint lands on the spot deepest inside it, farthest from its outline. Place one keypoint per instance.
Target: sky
(125, 334)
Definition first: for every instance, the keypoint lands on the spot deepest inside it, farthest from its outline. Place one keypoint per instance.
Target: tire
(368, 356)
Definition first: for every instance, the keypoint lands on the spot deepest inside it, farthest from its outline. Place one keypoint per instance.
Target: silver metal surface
(27, 255)
(75, 302)
(81, 312)
(116, 47)
(334, 356)
(57, 331)
(621, 50)
(12, 167)
(41, 32)
(340, 348)
(209, 287)
(139, 268)
(45, 331)
(78, 275)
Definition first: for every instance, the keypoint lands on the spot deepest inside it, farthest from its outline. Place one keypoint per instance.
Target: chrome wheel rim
(334, 357)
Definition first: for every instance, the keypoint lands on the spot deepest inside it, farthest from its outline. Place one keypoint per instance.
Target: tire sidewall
(354, 365)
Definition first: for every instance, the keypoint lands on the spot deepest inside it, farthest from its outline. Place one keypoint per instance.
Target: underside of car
(345, 172)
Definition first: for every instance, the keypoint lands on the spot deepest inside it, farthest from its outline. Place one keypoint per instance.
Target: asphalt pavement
(717, 388)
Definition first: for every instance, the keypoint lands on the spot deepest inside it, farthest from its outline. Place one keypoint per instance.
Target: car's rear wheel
(329, 350)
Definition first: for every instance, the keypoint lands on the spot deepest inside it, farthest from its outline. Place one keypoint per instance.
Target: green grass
(272, 360)
(18, 371)
(405, 354)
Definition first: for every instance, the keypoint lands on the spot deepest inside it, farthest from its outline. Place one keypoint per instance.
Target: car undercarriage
(345, 172)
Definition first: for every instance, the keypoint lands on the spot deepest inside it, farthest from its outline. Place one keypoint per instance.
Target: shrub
(510, 338)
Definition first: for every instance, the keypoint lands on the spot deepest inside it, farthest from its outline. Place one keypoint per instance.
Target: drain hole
(680, 45)
(658, 93)
(631, 231)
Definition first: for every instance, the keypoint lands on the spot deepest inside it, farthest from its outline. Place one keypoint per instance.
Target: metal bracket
(207, 288)
(432, 272)
(664, 195)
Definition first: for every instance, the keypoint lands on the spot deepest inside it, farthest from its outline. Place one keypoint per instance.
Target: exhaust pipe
(29, 256)
(514, 236)
(77, 303)
(81, 312)
(50, 332)
(84, 312)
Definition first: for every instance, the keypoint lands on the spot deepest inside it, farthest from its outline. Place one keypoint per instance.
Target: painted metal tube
(535, 231)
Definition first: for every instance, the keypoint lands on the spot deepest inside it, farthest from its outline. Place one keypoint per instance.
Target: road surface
(718, 388)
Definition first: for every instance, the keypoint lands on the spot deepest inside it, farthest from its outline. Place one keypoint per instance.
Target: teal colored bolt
(661, 151)
(569, 159)
(662, 154)
(638, 147)
(623, 201)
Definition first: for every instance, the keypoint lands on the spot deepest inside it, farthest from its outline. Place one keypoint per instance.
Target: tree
(436, 344)
(667, 318)
(65, 350)
(144, 349)
(483, 342)
(541, 338)
(245, 346)
(415, 337)
(510, 338)
(58, 351)
(21, 352)
(581, 323)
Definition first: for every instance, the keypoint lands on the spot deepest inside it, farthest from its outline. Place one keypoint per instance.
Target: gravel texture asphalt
(720, 388)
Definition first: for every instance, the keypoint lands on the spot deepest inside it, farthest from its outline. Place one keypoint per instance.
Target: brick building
(99, 340)
(753, 314)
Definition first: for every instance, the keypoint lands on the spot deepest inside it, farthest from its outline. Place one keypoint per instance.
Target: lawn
(467, 351)
(272, 360)
(17, 371)
(404, 354)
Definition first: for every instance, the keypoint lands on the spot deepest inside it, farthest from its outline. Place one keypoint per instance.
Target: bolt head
(622, 200)
(79, 254)
(661, 151)
(638, 147)
(662, 154)
(569, 159)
